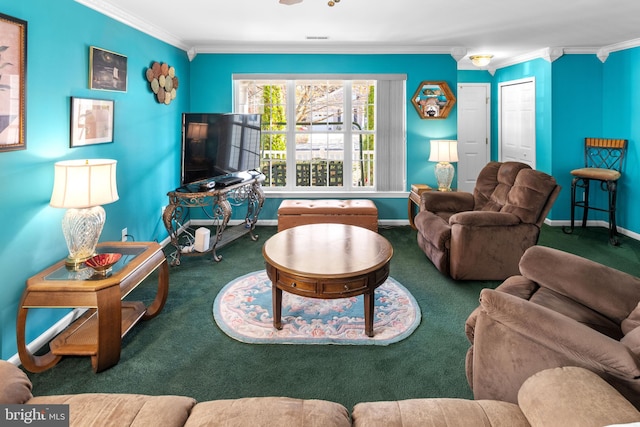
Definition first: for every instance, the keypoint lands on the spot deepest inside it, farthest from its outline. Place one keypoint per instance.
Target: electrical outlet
(124, 234)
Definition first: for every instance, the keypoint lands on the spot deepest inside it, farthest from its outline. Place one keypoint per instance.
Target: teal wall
(577, 95)
(621, 114)
(212, 91)
(577, 113)
(146, 144)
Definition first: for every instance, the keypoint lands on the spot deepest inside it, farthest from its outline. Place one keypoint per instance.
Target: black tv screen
(216, 144)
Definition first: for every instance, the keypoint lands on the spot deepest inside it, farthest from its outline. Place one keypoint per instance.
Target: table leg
(109, 312)
(31, 362)
(223, 207)
(369, 300)
(412, 208)
(163, 291)
(276, 297)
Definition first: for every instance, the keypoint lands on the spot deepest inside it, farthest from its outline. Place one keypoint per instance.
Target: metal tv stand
(217, 204)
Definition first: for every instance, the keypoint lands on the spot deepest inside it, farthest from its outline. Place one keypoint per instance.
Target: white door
(474, 150)
(517, 121)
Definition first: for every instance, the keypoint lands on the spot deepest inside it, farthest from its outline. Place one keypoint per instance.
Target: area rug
(242, 309)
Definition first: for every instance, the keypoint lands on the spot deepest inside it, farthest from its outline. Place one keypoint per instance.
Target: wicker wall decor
(163, 81)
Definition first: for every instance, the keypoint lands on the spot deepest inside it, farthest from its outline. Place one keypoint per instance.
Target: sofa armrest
(571, 396)
(557, 333)
(484, 219)
(608, 291)
(438, 201)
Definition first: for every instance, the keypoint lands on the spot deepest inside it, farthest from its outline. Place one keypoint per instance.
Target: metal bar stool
(603, 162)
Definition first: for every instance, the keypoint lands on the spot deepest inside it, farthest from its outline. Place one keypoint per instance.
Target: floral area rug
(243, 311)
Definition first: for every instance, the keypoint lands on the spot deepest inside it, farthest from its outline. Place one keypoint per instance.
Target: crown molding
(322, 47)
(604, 52)
(106, 8)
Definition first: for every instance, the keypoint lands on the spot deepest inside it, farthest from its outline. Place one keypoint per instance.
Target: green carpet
(183, 352)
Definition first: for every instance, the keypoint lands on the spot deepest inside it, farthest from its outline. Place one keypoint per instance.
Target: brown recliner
(482, 236)
(563, 310)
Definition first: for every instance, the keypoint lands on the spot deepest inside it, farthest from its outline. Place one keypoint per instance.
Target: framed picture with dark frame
(91, 121)
(13, 73)
(107, 70)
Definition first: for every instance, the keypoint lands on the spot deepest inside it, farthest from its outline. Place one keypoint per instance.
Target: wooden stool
(360, 212)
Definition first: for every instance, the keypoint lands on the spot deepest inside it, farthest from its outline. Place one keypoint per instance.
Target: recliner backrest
(494, 184)
(529, 196)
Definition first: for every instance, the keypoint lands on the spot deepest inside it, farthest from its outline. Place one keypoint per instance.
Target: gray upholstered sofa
(559, 397)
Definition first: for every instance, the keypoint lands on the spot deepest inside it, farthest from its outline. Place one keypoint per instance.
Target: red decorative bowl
(102, 263)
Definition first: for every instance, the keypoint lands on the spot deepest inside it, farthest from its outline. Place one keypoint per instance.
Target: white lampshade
(84, 183)
(443, 150)
(82, 186)
(197, 131)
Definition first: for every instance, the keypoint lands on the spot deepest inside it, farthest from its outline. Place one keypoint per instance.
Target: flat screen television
(217, 144)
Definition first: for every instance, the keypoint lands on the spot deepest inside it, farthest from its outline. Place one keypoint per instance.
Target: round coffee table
(327, 261)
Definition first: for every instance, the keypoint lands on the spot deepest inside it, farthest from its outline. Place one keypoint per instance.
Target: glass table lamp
(444, 151)
(82, 186)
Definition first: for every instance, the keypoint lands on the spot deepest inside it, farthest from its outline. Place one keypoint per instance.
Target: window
(322, 134)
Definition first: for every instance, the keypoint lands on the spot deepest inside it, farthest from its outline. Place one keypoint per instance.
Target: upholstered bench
(360, 212)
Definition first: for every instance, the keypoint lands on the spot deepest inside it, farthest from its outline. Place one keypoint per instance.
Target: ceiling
(507, 29)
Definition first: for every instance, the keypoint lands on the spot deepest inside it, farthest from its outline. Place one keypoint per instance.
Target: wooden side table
(99, 331)
(414, 201)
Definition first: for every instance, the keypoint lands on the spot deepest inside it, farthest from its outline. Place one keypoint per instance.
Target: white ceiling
(508, 29)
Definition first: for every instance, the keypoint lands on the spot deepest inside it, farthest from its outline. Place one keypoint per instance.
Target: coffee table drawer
(345, 287)
(287, 282)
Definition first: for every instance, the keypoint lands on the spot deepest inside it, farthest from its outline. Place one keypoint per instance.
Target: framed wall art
(107, 70)
(13, 72)
(91, 121)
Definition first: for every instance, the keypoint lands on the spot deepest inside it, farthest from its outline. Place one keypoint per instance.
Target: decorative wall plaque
(163, 81)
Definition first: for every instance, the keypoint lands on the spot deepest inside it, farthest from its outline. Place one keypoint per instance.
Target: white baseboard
(592, 223)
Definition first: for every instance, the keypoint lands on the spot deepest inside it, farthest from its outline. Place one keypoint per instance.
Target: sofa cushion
(529, 194)
(445, 412)
(269, 412)
(632, 321)
(507, 175)
(578, 312)
(632, 340)
(485, 184)
(15, 386)
(546, 396)
(136, 410)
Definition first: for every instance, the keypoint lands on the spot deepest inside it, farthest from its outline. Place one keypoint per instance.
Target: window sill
(281, 194)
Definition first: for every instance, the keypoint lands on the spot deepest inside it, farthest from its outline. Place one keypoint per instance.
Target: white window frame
(390, 148)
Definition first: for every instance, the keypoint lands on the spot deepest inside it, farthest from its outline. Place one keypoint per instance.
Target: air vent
(317, 37)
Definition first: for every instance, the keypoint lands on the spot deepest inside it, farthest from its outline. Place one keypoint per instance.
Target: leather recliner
(482, 235)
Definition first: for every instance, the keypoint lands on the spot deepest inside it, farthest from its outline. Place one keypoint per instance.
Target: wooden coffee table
(327, 261)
